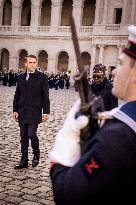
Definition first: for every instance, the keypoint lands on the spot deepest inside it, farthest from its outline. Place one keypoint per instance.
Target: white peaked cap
(130, 48)
(132, 34)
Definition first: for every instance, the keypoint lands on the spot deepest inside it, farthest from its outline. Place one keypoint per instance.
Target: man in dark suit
(31, 106)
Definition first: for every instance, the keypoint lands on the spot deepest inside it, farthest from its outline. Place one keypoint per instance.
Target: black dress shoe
(21, 165)
(35, 162)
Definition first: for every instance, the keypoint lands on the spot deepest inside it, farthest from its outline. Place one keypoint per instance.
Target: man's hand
(44, 117)
(15, 116)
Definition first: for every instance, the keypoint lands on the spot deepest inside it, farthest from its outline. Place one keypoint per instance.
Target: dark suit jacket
(31, 98)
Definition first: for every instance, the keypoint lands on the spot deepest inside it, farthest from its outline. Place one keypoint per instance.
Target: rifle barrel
(76, 45)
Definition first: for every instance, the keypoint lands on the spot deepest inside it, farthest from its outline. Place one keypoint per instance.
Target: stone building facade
(42, 28)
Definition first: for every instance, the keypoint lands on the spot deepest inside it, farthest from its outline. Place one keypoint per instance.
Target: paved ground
(29, 186)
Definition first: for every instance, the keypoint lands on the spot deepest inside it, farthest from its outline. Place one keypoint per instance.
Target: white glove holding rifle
(66, 150)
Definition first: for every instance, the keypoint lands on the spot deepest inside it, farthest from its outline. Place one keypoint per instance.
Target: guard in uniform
(106, 171)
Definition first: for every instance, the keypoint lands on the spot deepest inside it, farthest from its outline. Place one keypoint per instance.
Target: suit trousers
(29, 131)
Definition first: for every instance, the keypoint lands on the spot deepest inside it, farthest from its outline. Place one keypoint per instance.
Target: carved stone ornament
(56, 3)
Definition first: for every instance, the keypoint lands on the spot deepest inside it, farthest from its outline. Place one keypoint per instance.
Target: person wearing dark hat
(101, 86)
(106, 171)
(31, 106)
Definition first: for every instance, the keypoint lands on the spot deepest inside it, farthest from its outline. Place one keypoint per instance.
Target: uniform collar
(126, 113)
(129, 109)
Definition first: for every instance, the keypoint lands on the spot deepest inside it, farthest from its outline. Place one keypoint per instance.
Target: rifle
(91, 105)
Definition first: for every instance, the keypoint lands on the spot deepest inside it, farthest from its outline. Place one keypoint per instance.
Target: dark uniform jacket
(104, 90)
(106, 173)
(31, 98)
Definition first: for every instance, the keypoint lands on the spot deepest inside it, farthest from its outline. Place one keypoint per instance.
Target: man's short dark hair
(30, 56)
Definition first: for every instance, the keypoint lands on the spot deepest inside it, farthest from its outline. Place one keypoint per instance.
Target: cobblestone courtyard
(29, 186)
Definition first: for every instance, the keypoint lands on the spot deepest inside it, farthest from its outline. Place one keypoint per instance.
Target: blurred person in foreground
(106, 172)
(31, 106)
(101, 86)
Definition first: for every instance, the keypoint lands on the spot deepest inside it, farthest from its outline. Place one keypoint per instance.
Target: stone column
(72, 65)
(77, 12)
(133, 10)
(1, 14)
(13, 62)
(15, 15)
(105, 11)
(52, 64)
(97, 10)
(56, 14)
(101, 54)
(125, 4)
(35, 11)
(119, 51)
(93, 57)
(32, 50)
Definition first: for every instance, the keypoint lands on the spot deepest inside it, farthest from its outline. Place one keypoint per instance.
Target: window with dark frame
(117, 15)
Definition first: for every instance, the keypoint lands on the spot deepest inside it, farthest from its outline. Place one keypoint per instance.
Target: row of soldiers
(9, 78)
(56, 81)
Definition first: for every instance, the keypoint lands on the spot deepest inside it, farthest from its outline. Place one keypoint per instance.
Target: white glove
(66, 150)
